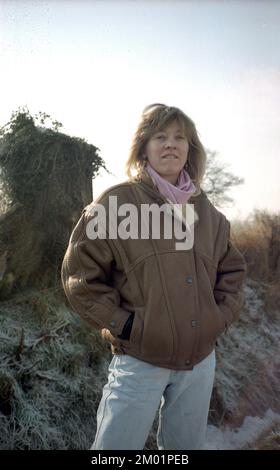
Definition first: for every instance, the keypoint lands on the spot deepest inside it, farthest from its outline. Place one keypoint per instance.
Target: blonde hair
(154, 118)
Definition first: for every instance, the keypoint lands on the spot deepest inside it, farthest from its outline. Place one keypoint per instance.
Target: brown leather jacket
(181, 300)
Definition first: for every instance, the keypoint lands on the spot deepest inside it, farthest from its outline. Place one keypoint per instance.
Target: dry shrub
(258, 239)
(248, 365)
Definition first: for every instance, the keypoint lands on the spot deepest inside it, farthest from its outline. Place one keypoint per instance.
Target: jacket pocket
(218, 318)
(212, 318)
(134, 341)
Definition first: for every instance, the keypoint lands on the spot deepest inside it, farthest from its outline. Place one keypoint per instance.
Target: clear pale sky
(94, 65)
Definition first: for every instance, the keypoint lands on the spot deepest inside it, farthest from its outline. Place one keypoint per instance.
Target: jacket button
(187, 362)
(194, 323)
(112, 323)
(189, 279)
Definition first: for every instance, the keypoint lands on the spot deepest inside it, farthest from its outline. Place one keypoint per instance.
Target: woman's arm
(85, 274)
(231, 273)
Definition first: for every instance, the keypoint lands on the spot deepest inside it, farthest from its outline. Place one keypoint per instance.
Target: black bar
(124, 459)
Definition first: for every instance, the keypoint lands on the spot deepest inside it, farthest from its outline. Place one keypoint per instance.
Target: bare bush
(258, 239)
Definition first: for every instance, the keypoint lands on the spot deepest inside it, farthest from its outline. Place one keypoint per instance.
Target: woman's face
(167, 151)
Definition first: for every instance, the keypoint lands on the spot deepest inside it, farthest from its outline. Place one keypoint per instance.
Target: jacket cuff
(117, 321)
(102, 316)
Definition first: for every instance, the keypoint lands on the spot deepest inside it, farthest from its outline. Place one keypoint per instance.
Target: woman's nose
(170, 142)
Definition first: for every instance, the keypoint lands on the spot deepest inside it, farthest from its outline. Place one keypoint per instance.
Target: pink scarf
(178, 194)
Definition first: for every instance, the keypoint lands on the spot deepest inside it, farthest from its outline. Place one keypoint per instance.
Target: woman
(161, 305)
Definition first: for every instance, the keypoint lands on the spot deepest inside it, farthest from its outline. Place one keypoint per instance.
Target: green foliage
(48, 174)
(43, 167)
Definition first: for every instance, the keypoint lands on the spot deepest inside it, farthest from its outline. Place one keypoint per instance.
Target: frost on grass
(53, 367)
(248, 363)
(52, 370)
(255, 433)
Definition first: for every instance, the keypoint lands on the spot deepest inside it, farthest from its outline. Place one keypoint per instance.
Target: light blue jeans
(132, 395)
